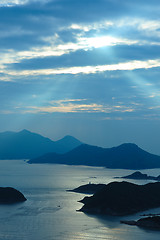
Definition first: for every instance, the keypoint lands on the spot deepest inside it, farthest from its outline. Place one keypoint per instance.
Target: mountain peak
(69, 139)
(129, 144)
(24, 131)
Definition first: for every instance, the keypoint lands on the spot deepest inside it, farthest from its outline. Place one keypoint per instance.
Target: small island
(123, 198)
(9, 195)
(90, 188)
(140, 176)
(148, 222)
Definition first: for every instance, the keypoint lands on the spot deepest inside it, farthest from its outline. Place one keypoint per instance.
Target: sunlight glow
(103, 41)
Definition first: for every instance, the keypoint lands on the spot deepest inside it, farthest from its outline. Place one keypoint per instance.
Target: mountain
(26, 144)
(123, 198)
(125, 156)
(67, 143)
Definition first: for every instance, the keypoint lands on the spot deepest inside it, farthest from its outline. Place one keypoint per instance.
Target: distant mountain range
(26, 145)
(125, 156)
(70, 151)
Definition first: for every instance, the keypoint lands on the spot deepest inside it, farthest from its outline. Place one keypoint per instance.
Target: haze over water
(50, 211)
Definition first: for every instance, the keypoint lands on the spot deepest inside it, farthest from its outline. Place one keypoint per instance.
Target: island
(123, 198)
(140, 176)
(90, 188)
(148, 222)
(9, 195)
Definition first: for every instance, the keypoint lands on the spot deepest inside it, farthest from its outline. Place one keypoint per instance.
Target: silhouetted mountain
(125, 156)
(10, 195)
(123, 198)
(67, 143)
(25, 144)
(140, 176)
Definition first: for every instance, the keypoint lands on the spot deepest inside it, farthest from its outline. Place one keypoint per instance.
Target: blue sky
(86, 68)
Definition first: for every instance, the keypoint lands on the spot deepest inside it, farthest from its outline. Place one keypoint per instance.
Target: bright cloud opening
(103, 41)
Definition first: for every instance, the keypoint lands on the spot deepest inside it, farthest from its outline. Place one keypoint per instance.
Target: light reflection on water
(50, 211)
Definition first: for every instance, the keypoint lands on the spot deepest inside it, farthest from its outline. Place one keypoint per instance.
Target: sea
(50, 212)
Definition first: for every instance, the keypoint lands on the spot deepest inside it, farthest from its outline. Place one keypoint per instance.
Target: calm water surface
(50, 211)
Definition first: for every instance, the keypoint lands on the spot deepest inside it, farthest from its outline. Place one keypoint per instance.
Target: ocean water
(50, 211)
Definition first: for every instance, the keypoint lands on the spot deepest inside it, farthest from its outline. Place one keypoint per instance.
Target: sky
(87, 68)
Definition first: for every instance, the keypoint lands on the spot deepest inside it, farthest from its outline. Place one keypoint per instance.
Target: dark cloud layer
(32, 21)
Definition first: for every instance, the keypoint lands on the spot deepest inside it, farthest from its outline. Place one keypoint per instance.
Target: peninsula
(90, 188)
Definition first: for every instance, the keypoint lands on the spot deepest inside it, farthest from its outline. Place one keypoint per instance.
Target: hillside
(26, 144)
(125, 156)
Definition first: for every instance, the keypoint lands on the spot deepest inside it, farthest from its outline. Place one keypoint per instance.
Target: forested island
(9, 195)
(123, 198)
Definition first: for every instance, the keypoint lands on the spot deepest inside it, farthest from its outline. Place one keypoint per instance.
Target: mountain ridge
(124, 156)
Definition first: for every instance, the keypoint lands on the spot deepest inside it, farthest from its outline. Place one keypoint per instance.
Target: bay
(50, 211)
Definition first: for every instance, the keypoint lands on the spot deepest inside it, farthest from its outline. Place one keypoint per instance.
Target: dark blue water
(50, 211)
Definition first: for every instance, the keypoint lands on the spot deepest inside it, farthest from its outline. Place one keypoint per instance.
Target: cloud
(12, 3)
(92, 26)
(38, 41)
(115, 110)
(9, 3)
(124, 66)
(74, 106)
(65, 106)
(55, 49)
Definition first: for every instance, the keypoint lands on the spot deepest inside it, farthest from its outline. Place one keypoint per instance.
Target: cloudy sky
(88, 68)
